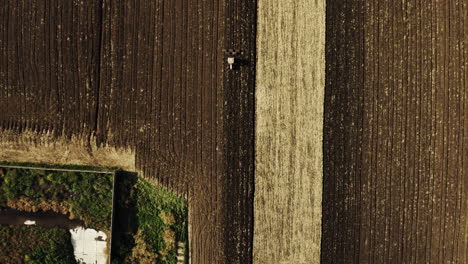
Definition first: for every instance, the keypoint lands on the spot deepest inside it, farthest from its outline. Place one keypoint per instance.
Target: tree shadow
(124, 216)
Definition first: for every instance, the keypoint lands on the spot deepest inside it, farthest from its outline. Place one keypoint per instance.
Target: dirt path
(42, 219)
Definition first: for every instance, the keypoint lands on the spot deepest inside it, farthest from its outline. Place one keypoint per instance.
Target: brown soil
(43, 219)
(395, 141)
(141, 85)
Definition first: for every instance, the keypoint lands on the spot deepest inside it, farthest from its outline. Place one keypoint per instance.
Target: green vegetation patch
(82, 195)
(150, 222)
(153, 222)
(34, 245)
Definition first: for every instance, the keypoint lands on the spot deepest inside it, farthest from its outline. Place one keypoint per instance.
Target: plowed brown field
(395, 132)
(142, 82)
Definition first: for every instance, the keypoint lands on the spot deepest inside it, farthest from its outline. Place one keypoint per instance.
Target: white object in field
(231, 62)
(89, 245)
(29, 222)
(181, 253)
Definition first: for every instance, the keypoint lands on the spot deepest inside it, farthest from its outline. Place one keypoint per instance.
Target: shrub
(34, 245)
(160, 218)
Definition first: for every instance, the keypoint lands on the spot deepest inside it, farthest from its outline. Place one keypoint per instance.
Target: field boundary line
(54, 169)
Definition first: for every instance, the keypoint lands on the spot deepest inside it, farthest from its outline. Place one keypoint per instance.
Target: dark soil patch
(42, 219)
